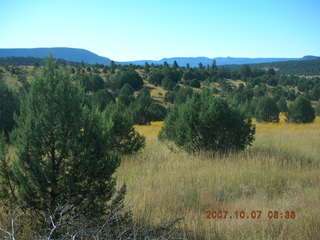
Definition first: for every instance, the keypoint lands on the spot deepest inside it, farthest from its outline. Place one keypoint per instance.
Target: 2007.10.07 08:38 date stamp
(253, 214)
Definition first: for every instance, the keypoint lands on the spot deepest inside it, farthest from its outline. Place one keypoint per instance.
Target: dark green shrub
(157, 112)
(267, 110)
(131, 77)
(317, 108)
(126, 95)
(282, 105)
(101, 99)
(9, 105)
(155, 77)
(182, 94)
(207, 123)
(301, 111)
(194, 83)
(140, 108)
(123, 139)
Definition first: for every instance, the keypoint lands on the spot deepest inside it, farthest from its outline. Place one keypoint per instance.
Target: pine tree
(175, 65)
(207, 123)
(141, 108)
(126, 95)
(62, 156)
(317, 108)
(301, 111)
(119, 126)
(9, 105)
(282, 105)
(267, 110)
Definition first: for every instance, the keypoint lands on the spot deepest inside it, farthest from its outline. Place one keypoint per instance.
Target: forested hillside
(149, 90)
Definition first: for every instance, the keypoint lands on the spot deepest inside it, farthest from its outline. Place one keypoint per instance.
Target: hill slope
(69, 54)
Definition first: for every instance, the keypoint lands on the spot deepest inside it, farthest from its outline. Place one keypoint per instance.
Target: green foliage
(101, 99)
(157, 112)
(126, 95)
(301, 111)
(9, 105)
(317, 108)
(61, 149)
(267, 110)
(4, 173)
(315, 93)
(245, 71)
(123, 139)
(194, 83)
(282, 105)
(182, 94)
(169, 96)
(141, 108)
(130, 77)
(90, 82)
(207, 123)
(167, 83)
(155, 77)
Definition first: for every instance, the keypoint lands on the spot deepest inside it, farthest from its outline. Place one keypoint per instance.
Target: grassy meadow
(279, 172)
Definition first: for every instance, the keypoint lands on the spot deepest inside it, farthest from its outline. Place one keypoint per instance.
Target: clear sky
(153, 29)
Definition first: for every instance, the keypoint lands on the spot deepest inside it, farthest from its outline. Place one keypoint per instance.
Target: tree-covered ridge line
(294, 67)
(299, 67)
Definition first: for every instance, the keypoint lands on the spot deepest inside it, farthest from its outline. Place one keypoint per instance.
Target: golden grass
(279, 172)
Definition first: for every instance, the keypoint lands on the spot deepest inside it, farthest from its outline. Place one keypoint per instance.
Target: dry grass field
(279, 172)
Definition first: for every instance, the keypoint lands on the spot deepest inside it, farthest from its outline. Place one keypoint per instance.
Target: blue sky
(153, 29)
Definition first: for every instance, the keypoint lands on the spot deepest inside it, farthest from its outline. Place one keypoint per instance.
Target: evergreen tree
(245, 71)
(182, 95)
(155, 77)
(165, 64)
(62, 156)
(167, 83)
(130, 77)
(214, 65)
(301, 111)
(207, 123)
(267, 110)
(126, 95)
(317, 108)
(141, 108)
(157, 112)
(8, 106)
(101, 99)
(146, 67)
(282, 105)
(123, 139)
(175, 65)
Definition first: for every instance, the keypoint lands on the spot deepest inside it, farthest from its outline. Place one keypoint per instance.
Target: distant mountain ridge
(308, 65)
(69, 54)
(194, 61)
(82, 55)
